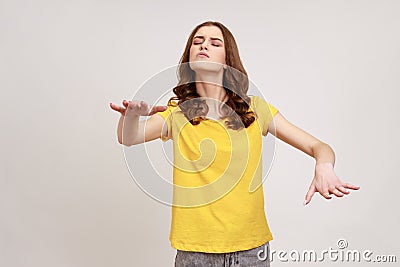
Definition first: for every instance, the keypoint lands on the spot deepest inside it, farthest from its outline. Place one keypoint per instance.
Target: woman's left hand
(326, 183)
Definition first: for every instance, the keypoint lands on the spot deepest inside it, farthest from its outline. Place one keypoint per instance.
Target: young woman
(223, 224)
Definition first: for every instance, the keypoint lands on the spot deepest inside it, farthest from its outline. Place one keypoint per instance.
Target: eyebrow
(212, 38)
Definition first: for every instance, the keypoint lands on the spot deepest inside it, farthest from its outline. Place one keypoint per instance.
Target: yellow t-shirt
(218, 199)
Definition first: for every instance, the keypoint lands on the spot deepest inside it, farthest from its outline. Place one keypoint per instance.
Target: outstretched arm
(325, 180)
(130, 130)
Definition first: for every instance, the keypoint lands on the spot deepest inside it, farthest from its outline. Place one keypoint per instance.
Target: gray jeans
(256, 257)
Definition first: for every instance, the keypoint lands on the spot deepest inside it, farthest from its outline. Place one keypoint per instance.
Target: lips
(202, 54)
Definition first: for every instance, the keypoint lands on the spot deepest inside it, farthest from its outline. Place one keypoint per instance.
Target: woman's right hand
(136, 107)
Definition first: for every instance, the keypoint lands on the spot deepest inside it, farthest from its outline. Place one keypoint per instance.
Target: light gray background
(66, 196)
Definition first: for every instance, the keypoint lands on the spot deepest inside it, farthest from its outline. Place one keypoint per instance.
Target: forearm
(119, 129)
(323, 153)
(127, 129)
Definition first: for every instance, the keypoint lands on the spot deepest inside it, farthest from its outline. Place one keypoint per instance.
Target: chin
(206, 66)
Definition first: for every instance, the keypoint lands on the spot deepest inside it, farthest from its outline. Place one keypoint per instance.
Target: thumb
(156, 109)
(310, 194)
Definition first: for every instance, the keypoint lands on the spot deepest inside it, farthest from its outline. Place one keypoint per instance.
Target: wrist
(324, 165)
(131, 115)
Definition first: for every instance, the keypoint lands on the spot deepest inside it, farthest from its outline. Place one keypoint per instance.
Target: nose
(204, 45)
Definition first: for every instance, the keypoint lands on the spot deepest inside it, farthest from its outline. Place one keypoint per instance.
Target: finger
(125, 103)
(350, 186)
(156, 109)
(144, 108)
(325, 194)
(113, 106)
(133, 105)
(337, 192)
(343, 189)
(309, 194)
(117, 108)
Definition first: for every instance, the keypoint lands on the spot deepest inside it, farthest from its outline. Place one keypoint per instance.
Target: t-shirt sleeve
(265, 112)
(167, 116)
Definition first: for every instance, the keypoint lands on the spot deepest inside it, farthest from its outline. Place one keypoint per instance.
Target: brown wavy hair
(235, 83)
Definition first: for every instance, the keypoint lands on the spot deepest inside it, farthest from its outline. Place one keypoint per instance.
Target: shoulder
(172, 107)
(260, 105)
(256, 101)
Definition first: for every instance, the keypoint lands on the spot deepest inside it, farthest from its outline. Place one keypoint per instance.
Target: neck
(210, 87)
